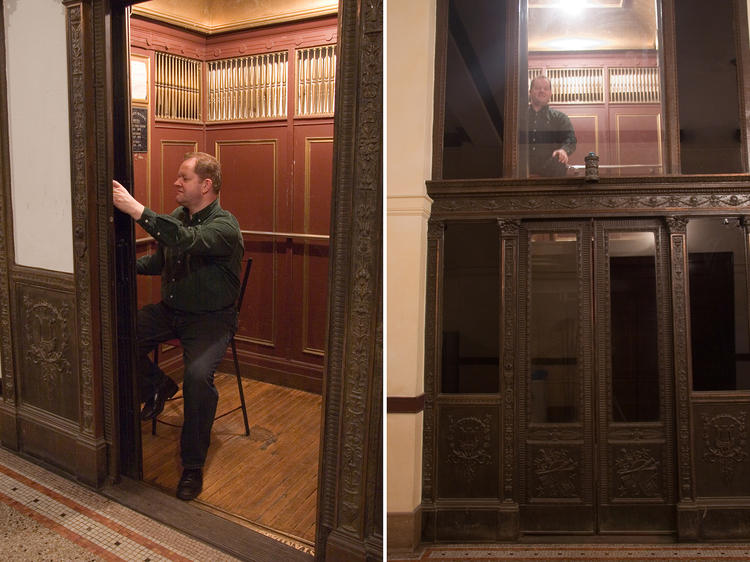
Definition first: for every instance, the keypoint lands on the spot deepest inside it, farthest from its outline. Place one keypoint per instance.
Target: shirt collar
(203, 214)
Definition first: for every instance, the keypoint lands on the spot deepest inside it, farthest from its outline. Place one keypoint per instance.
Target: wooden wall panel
(589, 124)
(251, 180)
(311, 215)
(250, 190)
(636, 139)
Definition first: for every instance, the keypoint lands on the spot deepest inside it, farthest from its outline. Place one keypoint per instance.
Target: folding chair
(176, 343)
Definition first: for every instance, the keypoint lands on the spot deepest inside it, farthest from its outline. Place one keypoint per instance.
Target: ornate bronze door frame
(595, 416)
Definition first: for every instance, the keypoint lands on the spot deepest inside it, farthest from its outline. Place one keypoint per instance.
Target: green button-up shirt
(199, 258)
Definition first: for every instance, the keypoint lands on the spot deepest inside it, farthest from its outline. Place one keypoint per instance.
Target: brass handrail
(261, 233)
(288, 235)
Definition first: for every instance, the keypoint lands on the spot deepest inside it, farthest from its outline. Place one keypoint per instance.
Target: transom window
(591, 77)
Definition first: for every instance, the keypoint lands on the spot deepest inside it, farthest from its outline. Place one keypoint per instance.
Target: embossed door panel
(555, 386)
(634, 378)
(596, 420)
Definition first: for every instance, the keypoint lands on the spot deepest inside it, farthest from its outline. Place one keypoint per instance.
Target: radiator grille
(253, 87)
(574, 85)
(634, 85)
(316, 72)
(178, 88)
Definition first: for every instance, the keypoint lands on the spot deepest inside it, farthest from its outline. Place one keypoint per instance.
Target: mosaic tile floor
(53, 518)
(564, 552)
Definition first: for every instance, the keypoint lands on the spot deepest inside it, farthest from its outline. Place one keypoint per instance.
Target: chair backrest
(245, 277)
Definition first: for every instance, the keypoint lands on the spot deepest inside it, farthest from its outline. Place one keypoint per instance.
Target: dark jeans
(204, 338)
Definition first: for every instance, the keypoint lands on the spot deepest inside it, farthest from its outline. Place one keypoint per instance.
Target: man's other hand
(561, 155)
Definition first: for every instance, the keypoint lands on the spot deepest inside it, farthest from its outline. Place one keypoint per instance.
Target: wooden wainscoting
(266, 479)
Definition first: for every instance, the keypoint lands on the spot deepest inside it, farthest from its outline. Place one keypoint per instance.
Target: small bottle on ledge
(592, 167)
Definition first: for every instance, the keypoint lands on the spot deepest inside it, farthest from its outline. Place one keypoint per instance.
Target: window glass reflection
(474, 89)
(710, 140)
(553, 328)
(471, 310)
(718, 304)
(601, 61)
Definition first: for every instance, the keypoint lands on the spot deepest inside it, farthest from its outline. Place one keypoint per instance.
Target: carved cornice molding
(653, 195)
(603, 203)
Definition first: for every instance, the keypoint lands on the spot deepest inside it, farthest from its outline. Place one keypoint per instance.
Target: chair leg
(156, 367)
(239, 386)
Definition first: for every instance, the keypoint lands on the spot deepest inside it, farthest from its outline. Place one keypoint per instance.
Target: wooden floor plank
(268, 478)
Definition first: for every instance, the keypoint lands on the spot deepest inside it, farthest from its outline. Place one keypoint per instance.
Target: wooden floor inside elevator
(267, 479)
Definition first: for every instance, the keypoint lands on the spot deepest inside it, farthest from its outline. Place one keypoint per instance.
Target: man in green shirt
(199, 257)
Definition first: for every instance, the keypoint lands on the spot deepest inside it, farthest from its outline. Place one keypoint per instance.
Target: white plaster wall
(36, 59)
(409, 55)
(404, 468)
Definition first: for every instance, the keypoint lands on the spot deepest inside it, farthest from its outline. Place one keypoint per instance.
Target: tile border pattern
(92, 521)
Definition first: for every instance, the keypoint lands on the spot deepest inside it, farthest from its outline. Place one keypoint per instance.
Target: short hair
(540, 77)
(206, 167)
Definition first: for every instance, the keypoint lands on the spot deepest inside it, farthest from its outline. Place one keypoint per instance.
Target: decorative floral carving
(365, 275)
(469, 443)
(637, 473)
(446, 205)
(47, 341)
(725, 438)
(556, 474)
(80, 195)
(510, 233)
(677, 233)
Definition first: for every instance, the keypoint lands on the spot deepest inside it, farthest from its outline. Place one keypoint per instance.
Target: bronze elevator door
(596, 437)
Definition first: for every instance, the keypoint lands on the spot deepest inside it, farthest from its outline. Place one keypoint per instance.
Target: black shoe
(190, 484)
(155, 403)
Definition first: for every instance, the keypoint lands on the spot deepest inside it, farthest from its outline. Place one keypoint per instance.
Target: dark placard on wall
(139, 125)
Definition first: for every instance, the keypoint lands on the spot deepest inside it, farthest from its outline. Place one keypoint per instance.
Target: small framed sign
(139, 128)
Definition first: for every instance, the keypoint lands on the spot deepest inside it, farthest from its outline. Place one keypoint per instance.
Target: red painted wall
(277, 178)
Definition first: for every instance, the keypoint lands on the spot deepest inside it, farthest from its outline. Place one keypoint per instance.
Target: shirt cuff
(148, 220)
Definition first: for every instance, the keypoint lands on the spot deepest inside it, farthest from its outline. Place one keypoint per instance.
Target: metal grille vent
(243, 88)
(316, 72)
(178, 88)
(634, 85)
(574, 85)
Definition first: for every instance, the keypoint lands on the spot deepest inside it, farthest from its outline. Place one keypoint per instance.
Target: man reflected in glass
(551, 137)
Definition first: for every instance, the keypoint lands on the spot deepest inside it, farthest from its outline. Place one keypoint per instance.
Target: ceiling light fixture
(574, 44)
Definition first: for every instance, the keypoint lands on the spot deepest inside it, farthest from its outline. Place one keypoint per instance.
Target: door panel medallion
(48, 344)
(725, 438)
(637, 472)
(469, 443)
(555, 474)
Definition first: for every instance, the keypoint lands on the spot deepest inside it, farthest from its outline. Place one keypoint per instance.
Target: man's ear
(207, 185)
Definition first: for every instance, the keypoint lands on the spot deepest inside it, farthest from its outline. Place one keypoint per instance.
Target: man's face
(190, 188)
(540, 93)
